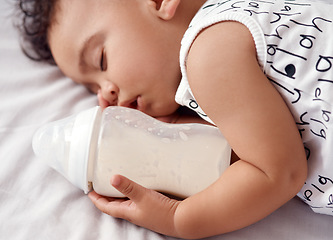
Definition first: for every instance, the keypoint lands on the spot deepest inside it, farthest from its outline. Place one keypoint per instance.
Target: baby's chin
(163, 111)
(171, 117)
(168, 119)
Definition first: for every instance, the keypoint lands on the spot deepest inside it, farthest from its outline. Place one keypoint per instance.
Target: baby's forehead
(73, 21)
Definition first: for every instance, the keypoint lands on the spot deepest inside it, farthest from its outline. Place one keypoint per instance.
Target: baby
(261, 71)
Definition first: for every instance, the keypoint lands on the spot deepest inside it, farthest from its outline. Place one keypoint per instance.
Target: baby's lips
(132, 103)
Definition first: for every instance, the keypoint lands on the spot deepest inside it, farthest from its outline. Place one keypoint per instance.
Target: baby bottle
(91, 146)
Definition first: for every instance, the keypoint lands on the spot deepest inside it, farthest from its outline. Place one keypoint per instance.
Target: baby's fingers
(130, 189)
(118, 208)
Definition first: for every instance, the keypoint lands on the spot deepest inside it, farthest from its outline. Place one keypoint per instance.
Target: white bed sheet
(38, 203)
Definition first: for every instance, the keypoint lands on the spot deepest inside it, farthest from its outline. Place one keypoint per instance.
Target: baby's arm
(231, 88)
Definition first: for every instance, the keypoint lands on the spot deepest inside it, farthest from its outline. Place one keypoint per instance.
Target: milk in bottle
(90, 147)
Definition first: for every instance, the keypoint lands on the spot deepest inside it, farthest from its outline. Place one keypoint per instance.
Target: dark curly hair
(35, 19)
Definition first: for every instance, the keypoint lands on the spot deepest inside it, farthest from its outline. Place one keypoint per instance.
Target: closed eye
(103, 62)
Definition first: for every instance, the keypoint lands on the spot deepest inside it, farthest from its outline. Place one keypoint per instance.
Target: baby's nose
(113, 98)
(110, 94)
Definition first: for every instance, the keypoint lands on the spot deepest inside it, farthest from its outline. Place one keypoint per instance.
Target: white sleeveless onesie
(294, 42)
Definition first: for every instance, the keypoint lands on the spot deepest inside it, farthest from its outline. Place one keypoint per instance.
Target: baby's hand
(143, 207)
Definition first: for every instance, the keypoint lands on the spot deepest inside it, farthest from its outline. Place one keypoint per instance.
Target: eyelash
(103, 61)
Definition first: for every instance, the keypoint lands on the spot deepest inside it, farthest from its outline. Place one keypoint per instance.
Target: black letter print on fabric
(324, 63)
(290, 69)
(318, 188)
(194, 105)
(306, 41)
(322, 181)
(314, 25)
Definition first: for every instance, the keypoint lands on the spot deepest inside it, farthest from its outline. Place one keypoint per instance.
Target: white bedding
(38, 203)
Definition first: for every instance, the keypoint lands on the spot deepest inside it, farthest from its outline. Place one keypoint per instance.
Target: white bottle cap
(65, 145)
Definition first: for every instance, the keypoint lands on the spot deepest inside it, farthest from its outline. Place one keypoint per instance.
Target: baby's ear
(165, 9)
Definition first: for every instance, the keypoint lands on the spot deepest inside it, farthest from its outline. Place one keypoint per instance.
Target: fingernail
(115, 181)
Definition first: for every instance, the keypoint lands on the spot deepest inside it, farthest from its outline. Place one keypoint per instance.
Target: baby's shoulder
(223, 43)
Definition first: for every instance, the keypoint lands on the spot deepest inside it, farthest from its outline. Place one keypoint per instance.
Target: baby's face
(120, 48)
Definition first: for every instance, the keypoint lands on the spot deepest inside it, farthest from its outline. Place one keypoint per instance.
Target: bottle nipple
(52, 142)
(65, 145)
